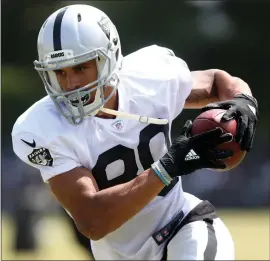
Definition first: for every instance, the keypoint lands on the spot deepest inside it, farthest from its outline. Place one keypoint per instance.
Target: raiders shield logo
(41, 156)
(104, 24)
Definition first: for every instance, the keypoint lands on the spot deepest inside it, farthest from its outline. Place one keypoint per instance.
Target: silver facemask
(73, 105)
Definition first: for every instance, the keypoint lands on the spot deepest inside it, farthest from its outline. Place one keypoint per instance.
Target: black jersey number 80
(127, 155)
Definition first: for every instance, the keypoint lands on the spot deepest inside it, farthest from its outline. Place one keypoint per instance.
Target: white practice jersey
(153, 83)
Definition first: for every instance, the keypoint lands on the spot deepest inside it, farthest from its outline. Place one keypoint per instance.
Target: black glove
(244, 109)
(188, 154)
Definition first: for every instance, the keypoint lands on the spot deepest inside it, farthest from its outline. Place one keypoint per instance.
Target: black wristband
(247, 97)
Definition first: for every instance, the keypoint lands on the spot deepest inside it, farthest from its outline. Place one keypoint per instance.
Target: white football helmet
(70, 36)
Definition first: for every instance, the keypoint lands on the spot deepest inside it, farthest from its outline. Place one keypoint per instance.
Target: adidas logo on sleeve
(191, 155)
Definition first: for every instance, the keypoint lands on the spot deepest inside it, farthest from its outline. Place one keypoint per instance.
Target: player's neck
(112, 104)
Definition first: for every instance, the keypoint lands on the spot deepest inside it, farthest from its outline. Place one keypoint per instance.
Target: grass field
(250, 230)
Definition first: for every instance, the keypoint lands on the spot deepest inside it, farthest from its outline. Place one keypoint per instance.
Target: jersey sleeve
(162, 73)
(180, 83)
(50, 158)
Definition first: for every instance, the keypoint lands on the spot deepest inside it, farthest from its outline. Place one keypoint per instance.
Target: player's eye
(80, 68)
(59, 72)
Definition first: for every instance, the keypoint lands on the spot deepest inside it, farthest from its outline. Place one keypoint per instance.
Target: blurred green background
(229, 35)
(56, 240)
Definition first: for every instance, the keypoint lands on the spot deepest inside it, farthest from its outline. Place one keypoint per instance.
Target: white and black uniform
(154, 83)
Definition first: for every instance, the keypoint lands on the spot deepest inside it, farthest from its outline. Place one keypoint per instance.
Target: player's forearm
(213, 86)
(116, 205)
(228, 86)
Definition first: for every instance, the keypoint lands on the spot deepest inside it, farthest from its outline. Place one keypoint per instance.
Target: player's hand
(188, 154)
(244, 109)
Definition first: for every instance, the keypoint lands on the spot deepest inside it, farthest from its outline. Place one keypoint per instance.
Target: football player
(101, 139)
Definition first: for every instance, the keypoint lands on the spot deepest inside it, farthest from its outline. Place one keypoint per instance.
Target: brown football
(209, 120)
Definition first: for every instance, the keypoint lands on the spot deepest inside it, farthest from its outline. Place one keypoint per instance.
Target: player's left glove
(244, 109)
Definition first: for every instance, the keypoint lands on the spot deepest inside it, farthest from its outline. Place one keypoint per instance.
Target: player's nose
(73, 83)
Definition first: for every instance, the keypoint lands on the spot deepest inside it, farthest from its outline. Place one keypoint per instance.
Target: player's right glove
(190, 153)
(243, 108)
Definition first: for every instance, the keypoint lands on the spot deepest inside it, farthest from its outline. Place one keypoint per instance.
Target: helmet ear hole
(115, 41)
(79, 17)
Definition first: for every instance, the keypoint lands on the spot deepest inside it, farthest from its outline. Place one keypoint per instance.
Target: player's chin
(89, 102)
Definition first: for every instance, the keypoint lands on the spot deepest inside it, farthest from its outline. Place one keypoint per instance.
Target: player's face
(77, 76)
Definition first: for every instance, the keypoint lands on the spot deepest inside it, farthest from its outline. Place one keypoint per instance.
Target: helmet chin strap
(142, 119)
